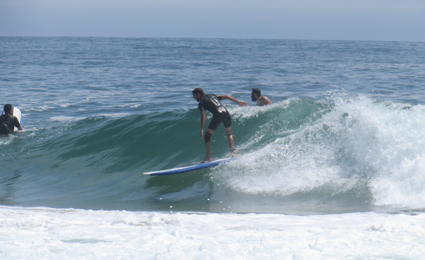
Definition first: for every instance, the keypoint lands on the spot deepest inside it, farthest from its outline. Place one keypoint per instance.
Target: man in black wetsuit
(220, 115)
(8, 121)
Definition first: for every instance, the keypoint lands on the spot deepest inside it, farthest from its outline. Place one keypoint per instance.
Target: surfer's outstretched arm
(240, 103)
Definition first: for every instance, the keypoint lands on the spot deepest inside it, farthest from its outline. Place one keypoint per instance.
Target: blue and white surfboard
(188, 168)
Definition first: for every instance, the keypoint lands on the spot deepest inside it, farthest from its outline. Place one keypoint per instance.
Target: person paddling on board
(256, 96)
(8, 121)
(211, 102)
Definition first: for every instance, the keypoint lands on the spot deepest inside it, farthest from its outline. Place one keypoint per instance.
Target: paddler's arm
(240, 103)
(17, 124)
(203, 118)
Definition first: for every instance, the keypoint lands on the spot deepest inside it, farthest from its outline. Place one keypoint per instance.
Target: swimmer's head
(255, 94)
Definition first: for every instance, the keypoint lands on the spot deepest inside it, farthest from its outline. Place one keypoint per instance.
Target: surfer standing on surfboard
(211, 102)
(8, 121)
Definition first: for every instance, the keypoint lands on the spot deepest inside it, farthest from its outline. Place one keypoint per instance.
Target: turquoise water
(344, 133)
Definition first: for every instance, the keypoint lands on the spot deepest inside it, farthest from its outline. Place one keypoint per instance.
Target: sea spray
(362, 144)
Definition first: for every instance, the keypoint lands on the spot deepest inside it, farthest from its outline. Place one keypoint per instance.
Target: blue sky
(401, 20)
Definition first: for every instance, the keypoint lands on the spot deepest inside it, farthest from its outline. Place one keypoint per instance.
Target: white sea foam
(64, 118)
(254, 111)
(379, 143)
(5, 140)
(45, 233)
(41, 108)
(73, 119)
(65, 105)
(131, 105)
(115, 115)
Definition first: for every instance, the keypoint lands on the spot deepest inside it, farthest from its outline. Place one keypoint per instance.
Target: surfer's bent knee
(207, 137)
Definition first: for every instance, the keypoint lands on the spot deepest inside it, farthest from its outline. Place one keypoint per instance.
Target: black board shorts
(218, 118)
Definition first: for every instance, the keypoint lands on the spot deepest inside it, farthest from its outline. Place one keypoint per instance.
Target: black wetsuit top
(8, 123)
(211, 102)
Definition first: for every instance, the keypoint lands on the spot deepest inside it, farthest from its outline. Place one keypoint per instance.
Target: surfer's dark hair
(198, 91)
(256, 91)
(7, 108)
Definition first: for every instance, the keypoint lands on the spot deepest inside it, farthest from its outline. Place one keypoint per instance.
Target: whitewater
(333, 169)
(45, 233)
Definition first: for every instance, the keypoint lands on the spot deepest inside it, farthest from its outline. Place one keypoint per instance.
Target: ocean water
(334, 169)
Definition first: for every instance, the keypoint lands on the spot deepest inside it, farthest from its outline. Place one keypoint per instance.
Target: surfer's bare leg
(208, 146)
(207, 149)
(230, 139)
